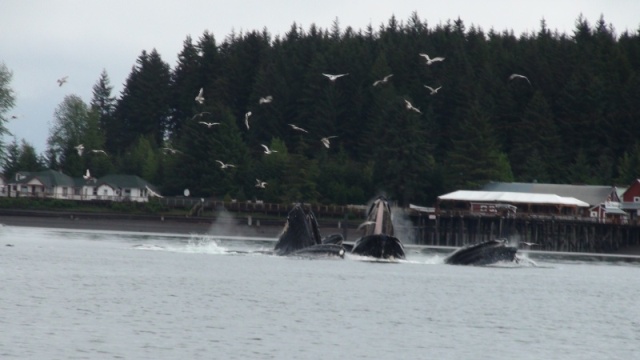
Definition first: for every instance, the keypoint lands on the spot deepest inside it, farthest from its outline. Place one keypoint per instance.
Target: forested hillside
(575, 118)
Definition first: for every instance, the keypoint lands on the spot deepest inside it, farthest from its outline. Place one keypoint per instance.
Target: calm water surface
(115, 295)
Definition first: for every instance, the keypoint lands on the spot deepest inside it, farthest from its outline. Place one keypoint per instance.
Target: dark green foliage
(575, 121)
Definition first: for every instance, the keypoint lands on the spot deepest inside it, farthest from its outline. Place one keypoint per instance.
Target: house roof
(127, 182)
(591, 194)
(512, 197)
(48, 178)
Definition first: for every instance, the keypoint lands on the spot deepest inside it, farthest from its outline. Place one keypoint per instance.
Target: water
(115, 295)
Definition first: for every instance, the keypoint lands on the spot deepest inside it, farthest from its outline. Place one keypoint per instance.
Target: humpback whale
(301, 237)
(484, 253)
(378, 240)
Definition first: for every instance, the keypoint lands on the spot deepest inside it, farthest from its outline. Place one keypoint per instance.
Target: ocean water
(114, 295)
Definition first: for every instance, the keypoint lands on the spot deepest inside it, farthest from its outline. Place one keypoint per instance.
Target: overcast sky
(43, 40)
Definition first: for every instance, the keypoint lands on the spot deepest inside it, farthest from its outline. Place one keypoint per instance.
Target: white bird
(411, 107)
(433, 91)
(223, 165)
(529, 244)
(265, 100)
(200, 114)
(430, 60)
(209, 125)
(334, 77)
(80, 149)
(200, 98)
(96, 151)
(261, 184)
(513, 76)
(383, 81)
(87, 175)
(325, 141)
(267, 150)
(62, 80)
(173, 151)
(246, 119)
(365, 224)
(298, 128)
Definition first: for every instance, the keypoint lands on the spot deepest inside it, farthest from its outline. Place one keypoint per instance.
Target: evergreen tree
(143, 108)
(7, 101)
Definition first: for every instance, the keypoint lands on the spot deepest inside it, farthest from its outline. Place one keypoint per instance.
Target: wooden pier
(549, 233)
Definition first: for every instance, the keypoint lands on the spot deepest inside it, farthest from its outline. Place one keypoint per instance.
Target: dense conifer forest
(573, 116)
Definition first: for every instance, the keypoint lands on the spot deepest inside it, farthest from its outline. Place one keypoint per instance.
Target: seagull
(200, 114)
(365, 224)
(80, 149)
(223, 165)
(200, 98)
(431, 61)
(260, 184)
(325, 140)
(410, 107)
(62, 80)
(99, 151)
(209, 125)
(14, 117)
(298, 128)
(529, 244)
(246, 119)
(513, 76)
(267, 151)
(173, 151)
(334, 77)
(433, 91)
(383, 81)
(87, 175)
(265, 100)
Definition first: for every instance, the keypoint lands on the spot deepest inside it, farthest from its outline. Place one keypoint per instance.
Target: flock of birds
(324, 140)
(200, 99)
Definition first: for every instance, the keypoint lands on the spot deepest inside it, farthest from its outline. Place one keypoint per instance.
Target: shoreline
(229, 226)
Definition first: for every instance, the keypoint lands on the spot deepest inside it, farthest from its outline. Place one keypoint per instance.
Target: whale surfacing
(301, 236)
(485, 253)
(378, 240)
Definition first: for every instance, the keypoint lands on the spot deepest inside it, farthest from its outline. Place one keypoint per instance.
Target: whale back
(484, 253)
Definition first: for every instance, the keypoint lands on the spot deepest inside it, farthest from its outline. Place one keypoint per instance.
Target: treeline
(576, 119)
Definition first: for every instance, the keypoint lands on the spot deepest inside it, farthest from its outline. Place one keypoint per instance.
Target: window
(95, 191)
(64, 191)
(636, 199)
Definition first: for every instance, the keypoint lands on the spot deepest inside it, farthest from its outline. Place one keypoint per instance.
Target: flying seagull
(260, 184)
(334, 77)
(430, 60)
(96, 151)
(267, 150)
(246, 119)
(325, 141)
(433, 91)
(80, 149)
(265, 100)
(170, 150)
(87, 175)
(410, 107)
(365, 224)
(383, 81)
(209, 125)
(62, 80)
(298, 128)
(200, 98)
(223, 165)
(513, 76)
(200, 114)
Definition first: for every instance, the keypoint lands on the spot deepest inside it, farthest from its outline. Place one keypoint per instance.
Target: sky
(44, 40)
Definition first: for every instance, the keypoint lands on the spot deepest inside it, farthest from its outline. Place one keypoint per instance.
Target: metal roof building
(590, 194)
